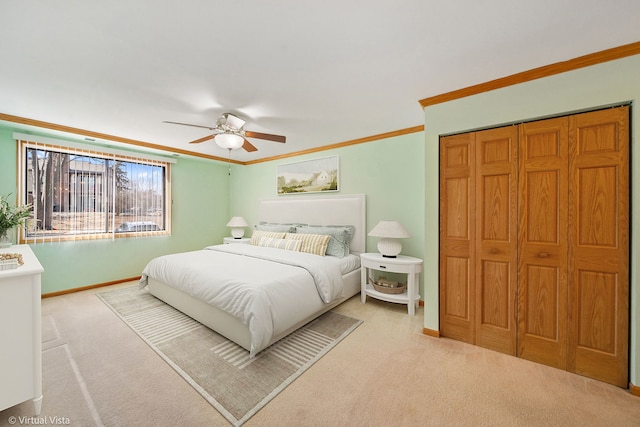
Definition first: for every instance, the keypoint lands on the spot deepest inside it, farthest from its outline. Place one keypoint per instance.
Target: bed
(256, 294)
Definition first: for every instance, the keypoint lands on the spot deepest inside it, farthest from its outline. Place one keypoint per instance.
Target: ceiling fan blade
(203, 139)
(267, 136)
(248, 146)
(188, 124)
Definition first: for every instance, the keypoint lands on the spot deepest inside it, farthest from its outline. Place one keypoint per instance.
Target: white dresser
(20, 331)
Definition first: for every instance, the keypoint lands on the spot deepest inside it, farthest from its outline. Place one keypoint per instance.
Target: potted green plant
(10, 218)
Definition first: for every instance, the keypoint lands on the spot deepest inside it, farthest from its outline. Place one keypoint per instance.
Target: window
(81, 194)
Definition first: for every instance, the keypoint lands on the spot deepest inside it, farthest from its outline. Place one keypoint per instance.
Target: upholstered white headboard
(343, 209)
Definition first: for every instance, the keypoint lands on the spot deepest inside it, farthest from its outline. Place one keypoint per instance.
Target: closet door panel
(457, 234)
(541, 327)
(542, 303)
(496, 210)
(599, 245)
(542, 250)
(597, 310)
(457, 292)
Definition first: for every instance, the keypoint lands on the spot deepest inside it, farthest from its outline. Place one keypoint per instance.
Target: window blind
(87, 193)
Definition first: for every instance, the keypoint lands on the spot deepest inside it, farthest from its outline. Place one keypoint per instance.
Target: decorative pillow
(311, 243)
(258, 234)
(341, 236)
(288, 244)
(272, 226)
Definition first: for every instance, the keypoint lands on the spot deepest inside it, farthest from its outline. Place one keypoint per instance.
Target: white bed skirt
(230, 326)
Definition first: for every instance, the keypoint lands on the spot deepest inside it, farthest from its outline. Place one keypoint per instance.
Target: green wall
(605, 84)
(200, 195)
(389, 172)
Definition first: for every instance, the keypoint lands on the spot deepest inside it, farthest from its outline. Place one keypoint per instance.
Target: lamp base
(389, 247)
(237, 232)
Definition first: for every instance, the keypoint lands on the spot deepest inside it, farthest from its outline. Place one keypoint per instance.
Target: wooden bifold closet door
(478, 238)
(534, 241)
(543, 191)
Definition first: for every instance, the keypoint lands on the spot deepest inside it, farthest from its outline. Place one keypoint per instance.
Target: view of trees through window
(74, 193)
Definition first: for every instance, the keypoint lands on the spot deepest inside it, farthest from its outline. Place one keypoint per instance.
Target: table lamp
(237, 224)
(390, 232)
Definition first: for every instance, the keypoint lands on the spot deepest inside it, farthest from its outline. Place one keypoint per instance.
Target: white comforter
(250, 282)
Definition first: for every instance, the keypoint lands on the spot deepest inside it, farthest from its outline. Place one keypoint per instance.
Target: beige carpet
(98, 372)
(220, 370)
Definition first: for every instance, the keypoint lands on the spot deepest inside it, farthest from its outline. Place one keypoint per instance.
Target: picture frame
(309, 176)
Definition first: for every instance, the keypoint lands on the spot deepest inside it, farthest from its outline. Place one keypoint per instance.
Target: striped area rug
(220, 370)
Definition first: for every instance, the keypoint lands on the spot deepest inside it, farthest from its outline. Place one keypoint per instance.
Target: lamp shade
(389, 229)
(237, 224)
(390, 232)
(229, 140)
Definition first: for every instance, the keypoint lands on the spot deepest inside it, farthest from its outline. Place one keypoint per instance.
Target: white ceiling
(319, 72)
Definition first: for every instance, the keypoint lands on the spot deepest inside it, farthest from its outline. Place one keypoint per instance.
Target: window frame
(95, 152)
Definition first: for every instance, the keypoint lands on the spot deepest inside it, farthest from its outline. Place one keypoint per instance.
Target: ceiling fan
(230, 133)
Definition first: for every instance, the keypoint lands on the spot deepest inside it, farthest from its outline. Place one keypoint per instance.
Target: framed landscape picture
(310, 176)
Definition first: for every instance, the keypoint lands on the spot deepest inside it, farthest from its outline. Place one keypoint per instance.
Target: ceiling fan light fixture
(229, 134)
(229, 140)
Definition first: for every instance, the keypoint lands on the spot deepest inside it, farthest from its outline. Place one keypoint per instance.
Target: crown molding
(97, 135)
(103, 136)
(414, 129)
(537, 73)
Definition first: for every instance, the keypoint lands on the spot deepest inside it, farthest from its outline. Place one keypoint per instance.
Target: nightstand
(242, 240)
(410, 266)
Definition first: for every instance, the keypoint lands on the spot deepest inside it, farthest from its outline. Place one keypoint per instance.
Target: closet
(534, 241)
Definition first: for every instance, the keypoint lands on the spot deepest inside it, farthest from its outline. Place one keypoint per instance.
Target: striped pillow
(288, 244)
(311, 243)
(341, 236)
(258, 234)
